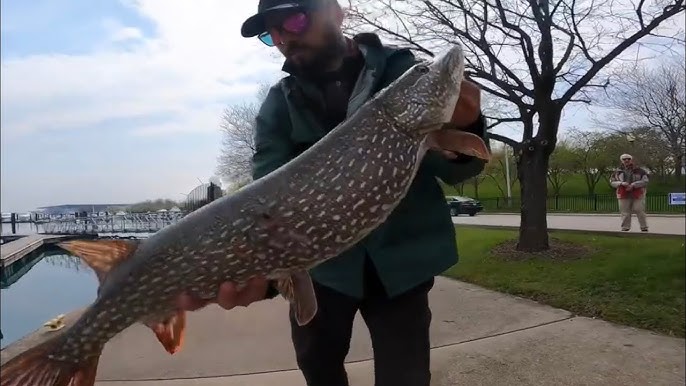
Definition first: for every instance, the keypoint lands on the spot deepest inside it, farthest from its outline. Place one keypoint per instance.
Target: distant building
(79, 208)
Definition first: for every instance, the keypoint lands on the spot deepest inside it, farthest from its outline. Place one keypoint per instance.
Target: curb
(582, 214)
(580, 231)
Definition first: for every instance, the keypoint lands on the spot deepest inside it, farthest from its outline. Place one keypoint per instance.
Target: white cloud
(194, 65)
(139, 85)
(120, 33)
(198, 58)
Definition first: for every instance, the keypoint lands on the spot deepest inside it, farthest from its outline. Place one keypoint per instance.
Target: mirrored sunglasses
(296, 24)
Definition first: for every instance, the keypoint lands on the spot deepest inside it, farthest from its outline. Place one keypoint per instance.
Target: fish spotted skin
(309, 210)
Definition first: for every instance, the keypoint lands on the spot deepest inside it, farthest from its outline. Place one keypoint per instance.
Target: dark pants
(399, 329)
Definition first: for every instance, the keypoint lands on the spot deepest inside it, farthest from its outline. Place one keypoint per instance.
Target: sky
(119, 101)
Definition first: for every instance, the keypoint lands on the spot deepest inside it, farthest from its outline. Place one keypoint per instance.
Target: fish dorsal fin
(100, 255)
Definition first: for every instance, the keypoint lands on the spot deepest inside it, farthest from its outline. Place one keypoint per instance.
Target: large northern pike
(311, 209)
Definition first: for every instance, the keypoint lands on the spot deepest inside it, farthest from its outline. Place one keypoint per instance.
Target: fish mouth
(456, 57)
(452, 58)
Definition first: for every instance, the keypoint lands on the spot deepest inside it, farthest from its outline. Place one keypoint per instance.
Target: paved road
(479, 337)
(669, 225)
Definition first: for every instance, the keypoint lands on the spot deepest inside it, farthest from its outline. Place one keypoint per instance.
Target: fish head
(425, 96)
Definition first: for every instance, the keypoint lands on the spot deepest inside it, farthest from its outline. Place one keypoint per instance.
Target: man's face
(627, 161)
(309, 40)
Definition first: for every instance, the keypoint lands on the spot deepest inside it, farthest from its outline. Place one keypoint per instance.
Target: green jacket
(417, 241)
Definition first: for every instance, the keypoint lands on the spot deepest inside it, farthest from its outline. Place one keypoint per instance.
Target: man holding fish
(388, 275)
(345, 213)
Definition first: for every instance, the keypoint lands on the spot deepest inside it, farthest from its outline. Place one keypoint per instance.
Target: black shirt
(336, 88)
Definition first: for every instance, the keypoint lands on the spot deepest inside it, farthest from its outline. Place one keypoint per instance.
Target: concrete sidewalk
(257, 338)
(480, 337)
(664, 225)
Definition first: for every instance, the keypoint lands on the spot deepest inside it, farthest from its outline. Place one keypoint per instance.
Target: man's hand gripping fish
(309, 210)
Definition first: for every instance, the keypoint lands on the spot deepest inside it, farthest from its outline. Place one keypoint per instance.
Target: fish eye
(422, 68)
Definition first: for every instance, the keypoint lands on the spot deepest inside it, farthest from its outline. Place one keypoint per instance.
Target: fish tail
(35, 368)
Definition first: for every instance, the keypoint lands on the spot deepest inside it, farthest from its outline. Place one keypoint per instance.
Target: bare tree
(238, 144)
(535, 55)
(561, 167)
(459, 188)
(596, 153)
(476, 182)
(496, 171)
(590, 156)
(654, 99)
(648, 147)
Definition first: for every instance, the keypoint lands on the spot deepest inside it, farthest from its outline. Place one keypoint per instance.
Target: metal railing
(600, 203)
(201, 196)
(128, 223)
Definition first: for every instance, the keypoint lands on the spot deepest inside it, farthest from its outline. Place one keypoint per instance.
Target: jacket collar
(304, 92)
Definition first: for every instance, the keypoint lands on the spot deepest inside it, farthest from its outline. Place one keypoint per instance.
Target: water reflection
(50, 282)
(49, 254)
(65, 260)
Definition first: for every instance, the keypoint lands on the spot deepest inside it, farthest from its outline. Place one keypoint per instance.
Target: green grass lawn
(632, 280)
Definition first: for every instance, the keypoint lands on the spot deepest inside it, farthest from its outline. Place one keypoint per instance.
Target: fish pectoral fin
(459, 142)
(170, 332)
(100, 255)
(299, 291)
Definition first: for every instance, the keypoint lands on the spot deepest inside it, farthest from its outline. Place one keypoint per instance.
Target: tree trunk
(678, 163)
(533, 230)
(532, 168)
(592, 180)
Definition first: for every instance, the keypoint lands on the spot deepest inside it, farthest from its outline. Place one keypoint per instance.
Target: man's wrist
(477, 127)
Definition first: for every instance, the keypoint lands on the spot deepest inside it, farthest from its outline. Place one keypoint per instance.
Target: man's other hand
(468, 106)
(467, 111)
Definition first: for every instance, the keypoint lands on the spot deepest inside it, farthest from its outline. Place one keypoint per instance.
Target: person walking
(388, 275)
(630, 182)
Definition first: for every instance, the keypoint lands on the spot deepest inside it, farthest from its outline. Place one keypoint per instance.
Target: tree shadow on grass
(560, 250)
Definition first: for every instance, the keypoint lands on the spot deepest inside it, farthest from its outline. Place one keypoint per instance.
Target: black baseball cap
(254, 25)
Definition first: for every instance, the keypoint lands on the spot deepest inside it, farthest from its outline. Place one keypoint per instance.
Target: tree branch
(501, 138)
(484, 46)
(525, 41)
(586, 101)
(669, 11)
(501, 120)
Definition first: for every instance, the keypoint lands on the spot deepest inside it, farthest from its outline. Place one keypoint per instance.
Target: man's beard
(319, 59)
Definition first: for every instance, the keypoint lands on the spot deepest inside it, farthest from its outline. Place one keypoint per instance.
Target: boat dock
(16, 249)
